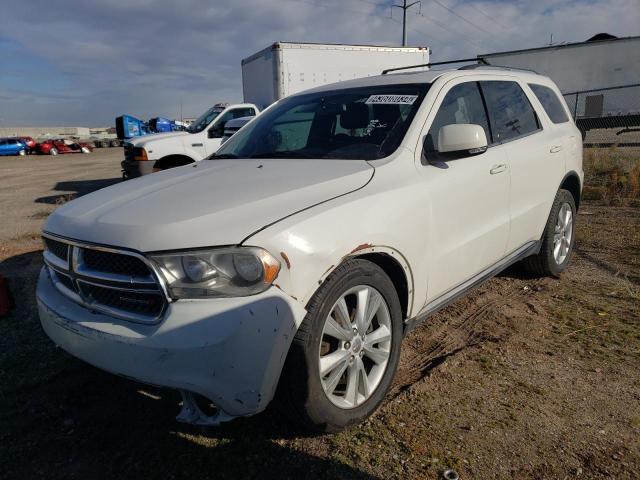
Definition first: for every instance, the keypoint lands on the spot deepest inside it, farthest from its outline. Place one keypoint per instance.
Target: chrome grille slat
(104, 283)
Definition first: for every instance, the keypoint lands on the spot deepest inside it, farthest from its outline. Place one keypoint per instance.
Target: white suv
(296, 258)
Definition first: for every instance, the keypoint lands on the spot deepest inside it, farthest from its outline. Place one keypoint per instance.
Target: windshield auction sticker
(392, 99)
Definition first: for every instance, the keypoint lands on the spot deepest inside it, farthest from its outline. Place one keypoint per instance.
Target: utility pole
(404, 8)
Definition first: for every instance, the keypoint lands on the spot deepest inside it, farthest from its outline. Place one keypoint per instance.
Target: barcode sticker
(392, 99)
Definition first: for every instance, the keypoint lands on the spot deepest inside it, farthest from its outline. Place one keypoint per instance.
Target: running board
(455, 293)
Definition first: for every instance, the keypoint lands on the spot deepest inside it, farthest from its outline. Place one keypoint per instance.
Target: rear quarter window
(550, 102)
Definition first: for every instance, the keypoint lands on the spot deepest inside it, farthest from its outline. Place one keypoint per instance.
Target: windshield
(363, 123)
(204, 120)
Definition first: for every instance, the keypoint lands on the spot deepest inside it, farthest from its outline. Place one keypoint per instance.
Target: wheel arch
(393, 264)
(571, 183)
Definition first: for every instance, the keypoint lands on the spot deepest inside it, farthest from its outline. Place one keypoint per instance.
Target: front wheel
(22, 153)
(53, 151)
(345, 354)
(557, 240)
(85, 150)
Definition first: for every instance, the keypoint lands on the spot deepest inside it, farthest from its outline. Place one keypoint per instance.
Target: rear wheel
(85, 150)
(345, 353)
(558, 238)
(53, 151)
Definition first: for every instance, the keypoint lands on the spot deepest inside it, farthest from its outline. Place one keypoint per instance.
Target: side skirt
(461, 290)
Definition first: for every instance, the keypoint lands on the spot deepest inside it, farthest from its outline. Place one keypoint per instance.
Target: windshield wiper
(283, 154)
(222, 156)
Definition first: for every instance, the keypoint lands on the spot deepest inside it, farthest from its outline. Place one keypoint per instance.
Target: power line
(453, 12)
(492, 18)
(368, 14)
(447, 29)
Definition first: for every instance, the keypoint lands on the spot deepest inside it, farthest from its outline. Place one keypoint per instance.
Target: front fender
(309, 251)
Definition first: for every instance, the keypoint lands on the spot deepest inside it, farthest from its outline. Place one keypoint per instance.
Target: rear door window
(510, 112)
(462, 104)
(550, 102)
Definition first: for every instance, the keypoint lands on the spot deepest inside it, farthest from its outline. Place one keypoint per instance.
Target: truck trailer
(285, 68)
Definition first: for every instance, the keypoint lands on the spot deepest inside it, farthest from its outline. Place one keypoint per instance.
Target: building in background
(599, 78)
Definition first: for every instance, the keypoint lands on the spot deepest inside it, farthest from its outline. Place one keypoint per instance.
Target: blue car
(12, 146)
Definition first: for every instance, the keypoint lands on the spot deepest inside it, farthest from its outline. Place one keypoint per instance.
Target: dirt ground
(31, 187)
(525, 378)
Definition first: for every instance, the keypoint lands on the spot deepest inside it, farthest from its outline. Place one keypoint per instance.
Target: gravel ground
(32, 186)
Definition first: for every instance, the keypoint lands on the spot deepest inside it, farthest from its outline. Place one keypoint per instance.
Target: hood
(210, 203)
(143, 140)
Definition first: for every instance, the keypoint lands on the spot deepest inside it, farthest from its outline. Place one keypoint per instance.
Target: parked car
(324, 230)
(12, 146)
(62, 146)
(232, 126)
(30, 143)
(161, 151)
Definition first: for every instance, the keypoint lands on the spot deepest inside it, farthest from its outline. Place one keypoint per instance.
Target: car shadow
(62, 418)
(75, 188)
(517, 271)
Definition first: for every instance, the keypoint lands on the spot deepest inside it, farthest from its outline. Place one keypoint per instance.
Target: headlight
(219, 272)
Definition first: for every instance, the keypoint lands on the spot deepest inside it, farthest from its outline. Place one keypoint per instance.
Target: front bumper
(228, 350)
(134, 168)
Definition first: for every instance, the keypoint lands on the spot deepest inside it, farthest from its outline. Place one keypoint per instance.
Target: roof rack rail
(497, 67)
(432, 64)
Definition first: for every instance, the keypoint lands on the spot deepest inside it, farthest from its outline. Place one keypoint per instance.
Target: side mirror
(462, 139)
(215, 132)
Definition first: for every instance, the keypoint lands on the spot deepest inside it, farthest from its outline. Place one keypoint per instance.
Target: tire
(22, 153)
(85, 150)
(552, 260)
(305, 397)
(53, 151)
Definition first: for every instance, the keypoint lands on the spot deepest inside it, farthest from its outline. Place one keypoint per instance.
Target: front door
(468, 196)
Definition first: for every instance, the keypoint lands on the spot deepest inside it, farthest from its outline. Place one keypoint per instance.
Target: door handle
(498, 168)
(555, 149)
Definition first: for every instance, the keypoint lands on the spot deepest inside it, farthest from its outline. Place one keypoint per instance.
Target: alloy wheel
(563, 233)
(355, 346)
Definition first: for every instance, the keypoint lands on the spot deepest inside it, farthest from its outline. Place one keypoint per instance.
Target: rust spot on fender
(280, 288)
(286, 260)
(364, 246)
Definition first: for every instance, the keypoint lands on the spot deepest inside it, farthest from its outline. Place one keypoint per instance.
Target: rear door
(469, 207)
(534, 153)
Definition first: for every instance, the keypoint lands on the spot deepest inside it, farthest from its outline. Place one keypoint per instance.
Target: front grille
(66, 281)
(141, 303)
(115, 263)
(119, 283)
(59, 249)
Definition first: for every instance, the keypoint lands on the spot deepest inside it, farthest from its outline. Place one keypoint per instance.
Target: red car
(54, 147)
(30, 143)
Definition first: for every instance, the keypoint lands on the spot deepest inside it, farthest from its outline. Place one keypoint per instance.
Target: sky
(84, 62)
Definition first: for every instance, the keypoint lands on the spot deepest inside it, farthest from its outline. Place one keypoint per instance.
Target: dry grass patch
(612, 176)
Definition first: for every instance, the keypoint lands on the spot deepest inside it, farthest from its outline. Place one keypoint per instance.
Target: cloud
(84, 63)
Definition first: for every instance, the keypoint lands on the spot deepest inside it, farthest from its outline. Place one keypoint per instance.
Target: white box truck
(285, 68)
